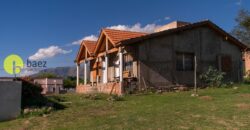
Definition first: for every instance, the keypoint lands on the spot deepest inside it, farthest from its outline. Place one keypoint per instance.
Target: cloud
(239, 2)
(49, 52)
(158, 20)
(162, 19)
(167, 18)
(149, 28)
(90, 37)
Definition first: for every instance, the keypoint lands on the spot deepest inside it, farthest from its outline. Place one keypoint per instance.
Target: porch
(111, 73)
(107, 66)
(102, 74)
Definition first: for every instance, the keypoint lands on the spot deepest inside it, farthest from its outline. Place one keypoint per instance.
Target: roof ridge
(124, 30)
(186, 27)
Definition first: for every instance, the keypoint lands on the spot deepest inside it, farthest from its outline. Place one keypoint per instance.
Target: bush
(31, 95)
(94, 96)
(34, 103)
(69, 82)
(115, 98)
(247, 77)
(36, 111)
(212, 77)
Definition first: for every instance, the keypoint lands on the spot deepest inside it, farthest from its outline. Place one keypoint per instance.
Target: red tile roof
(90, 45)
(116, 36)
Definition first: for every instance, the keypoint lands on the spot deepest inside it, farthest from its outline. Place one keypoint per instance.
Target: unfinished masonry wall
(10, 99)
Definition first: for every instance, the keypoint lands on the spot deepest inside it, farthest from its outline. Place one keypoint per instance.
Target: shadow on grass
(34, 103)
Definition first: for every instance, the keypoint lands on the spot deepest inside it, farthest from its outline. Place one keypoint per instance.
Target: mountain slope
(61, 71)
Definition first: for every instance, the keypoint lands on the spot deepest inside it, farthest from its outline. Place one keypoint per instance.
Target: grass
(215, 108)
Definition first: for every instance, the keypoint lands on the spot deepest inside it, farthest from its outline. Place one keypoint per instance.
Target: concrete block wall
(10, 99)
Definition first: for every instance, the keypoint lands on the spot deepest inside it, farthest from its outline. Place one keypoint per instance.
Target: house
(246, 59)
(50, 85)
(7, 78)
(121, 61)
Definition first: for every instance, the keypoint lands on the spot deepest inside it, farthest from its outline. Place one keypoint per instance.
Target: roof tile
(117, 36)
(90, 45)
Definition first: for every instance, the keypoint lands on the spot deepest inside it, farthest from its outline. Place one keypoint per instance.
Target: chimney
(171, 25)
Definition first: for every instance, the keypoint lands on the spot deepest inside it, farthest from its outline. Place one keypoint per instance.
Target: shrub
(115, 98)
(31, 95)
(36, 111)
(34, 103)
(247, 77)
(212, 77)
(95, 96)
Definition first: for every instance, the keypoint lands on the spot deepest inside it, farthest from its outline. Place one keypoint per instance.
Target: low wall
(113, 88)
(10, 99)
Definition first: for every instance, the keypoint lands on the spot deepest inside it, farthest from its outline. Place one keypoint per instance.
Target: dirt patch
(184, 127)
(222, 122)
(207, 98)
(243, 106)
(245, 95)
(99, 111)
(196, 116)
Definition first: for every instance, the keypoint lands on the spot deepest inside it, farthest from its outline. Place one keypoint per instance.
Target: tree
(242, 29)
(69, 82)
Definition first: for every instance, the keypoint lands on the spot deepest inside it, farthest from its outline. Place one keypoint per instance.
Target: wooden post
(145, 85)
(195, 75)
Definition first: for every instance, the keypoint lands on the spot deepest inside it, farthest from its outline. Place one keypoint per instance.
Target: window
(184, 61)
(225, 63)
(128, 62)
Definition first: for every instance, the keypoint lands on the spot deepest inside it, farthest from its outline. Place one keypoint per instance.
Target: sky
(51, 30)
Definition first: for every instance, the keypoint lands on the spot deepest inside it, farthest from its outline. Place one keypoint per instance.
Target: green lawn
(220, 108)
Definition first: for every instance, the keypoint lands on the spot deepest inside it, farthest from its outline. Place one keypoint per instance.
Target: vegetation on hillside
(46, 75)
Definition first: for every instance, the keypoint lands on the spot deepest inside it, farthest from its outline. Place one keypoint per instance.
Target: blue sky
(29, 25)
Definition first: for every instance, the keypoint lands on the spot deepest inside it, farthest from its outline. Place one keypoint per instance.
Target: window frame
(184, 61)
(128, 62)
(221, 59)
